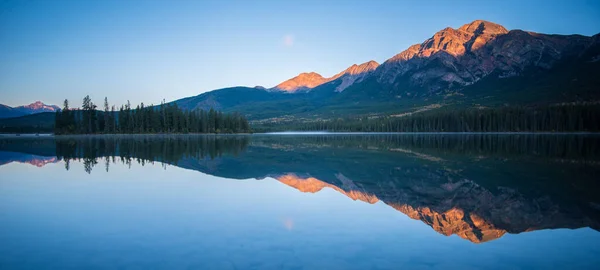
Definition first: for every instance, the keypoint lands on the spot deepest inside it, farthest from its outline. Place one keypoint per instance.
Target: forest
(166, 118)
(555, 118)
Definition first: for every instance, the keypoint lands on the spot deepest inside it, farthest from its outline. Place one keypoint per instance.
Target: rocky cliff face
(354, 74)
(453, 58)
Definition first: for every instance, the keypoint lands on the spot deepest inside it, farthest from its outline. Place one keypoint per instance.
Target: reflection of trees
(146, 149)
(505, 145)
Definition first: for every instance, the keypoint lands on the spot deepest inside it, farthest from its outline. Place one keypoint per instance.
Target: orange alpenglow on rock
(314, 185)
(307, 81)
(302, 81)
(454, 221)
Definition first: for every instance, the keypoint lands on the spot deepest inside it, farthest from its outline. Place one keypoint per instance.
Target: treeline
(567, 118)
(166, 118)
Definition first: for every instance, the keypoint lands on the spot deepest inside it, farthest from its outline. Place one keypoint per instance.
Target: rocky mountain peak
(478, 27)
(302, 81)
(455, 42)
(362, 68)
(38, 105)
(357, 69)
(353, 74)
(310, 80)
(454, 58)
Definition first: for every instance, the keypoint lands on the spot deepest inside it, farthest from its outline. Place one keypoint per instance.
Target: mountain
(453, 58)
(36, 107)
(480, 64)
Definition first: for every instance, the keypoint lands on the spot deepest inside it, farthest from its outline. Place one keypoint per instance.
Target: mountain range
(33, 108)
(480, 64)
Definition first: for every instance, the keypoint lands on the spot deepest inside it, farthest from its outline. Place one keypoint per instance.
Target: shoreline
(287, 133)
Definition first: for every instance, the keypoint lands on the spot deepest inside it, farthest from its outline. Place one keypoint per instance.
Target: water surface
(437, 201)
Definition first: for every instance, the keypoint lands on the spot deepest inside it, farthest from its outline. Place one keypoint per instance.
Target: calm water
(301, 202)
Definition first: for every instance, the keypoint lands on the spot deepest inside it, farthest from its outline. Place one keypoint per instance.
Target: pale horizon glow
(147, 51)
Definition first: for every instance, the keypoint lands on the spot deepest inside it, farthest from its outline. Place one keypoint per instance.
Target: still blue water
(300, 202)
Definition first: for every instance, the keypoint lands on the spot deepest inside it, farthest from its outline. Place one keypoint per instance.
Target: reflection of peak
(41, 162)
(461, 208)
(313, 185)
(454, 221)
(35, 160)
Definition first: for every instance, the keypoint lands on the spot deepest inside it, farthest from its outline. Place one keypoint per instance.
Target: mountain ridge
(33, 108)
(309, 80)
(472, 65)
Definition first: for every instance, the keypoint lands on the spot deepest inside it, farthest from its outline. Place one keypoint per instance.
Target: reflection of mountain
(38, 161)
(313, 185)
(464, 208)
(477, 187)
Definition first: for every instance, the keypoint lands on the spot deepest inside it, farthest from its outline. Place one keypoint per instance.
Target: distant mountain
(480, 64)
(307, 81)
(7, 157)
(36, 107)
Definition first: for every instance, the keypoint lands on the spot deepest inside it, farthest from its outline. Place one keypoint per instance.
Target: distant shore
(287, 133)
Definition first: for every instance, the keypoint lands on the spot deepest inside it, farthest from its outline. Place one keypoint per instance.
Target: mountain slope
(33, 123)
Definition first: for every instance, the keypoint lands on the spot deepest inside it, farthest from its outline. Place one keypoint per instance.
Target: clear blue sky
(147, 50)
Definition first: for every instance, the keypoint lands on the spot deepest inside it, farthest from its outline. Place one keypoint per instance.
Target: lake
(312, 201)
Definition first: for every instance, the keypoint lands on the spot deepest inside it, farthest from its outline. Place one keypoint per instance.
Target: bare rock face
(354, 74)
(463, 56)
(302, 82)
(307, 81)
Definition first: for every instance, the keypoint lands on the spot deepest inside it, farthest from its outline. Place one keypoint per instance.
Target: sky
(147, 51)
